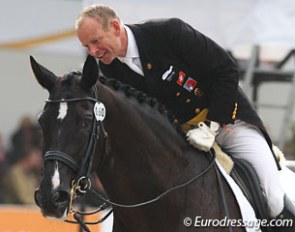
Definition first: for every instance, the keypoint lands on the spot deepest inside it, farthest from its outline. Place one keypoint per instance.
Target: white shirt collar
(132, 49)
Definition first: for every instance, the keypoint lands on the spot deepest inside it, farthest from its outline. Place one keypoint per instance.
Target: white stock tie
(134, 64)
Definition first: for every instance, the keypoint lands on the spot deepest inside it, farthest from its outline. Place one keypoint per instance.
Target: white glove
(203, 137)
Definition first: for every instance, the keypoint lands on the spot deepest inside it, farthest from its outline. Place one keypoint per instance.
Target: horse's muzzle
(54, 204)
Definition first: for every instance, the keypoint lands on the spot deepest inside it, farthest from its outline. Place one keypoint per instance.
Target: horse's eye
(86, 123)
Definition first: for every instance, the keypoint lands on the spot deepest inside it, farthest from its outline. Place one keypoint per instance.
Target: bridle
(82, 183)
(82, 178)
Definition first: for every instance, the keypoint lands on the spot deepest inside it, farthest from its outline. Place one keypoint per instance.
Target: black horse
(139, 156)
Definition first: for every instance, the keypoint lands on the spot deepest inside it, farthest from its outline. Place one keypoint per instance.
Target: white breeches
(244, 141)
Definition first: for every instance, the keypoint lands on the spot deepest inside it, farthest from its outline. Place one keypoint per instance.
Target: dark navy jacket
(186, 71)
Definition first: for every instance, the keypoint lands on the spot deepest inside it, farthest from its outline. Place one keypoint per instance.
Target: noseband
(81, 182)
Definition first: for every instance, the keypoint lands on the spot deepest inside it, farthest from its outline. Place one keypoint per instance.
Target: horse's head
(69, 123)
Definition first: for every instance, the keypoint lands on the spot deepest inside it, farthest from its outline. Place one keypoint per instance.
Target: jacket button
(197, 110)
(177, 94)
(188, 100)
(149, 66)
(175, 121)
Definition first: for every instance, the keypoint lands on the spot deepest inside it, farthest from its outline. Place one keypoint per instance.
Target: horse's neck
(146, 152)
(146, 159)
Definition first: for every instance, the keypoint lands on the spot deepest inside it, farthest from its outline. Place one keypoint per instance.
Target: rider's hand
(203, 137)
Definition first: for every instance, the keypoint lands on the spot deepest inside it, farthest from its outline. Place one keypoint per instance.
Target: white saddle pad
(247, 211)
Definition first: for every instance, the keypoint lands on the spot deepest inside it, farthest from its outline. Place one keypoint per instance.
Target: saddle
(246, 178)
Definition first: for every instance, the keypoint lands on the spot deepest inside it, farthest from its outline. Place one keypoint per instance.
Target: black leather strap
(62, 157)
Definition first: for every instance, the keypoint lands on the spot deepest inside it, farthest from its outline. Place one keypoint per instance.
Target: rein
(163, 194)
(77, 214)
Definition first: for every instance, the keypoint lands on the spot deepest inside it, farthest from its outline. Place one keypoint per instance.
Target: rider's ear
(89, 73)
(45, 77)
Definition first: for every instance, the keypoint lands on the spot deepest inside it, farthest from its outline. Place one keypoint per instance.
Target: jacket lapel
(145, 49)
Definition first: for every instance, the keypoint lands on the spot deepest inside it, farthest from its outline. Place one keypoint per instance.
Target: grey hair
(101, 13)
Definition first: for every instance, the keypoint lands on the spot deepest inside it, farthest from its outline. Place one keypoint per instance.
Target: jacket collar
(132, 49)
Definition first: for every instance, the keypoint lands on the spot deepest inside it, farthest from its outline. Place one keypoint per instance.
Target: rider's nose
(92, 50)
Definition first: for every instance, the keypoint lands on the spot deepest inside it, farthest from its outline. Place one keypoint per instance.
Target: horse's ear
(89, 73)
(45, 77)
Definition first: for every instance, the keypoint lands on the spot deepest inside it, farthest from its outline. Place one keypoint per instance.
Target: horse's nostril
(60, 197)
(38, 198)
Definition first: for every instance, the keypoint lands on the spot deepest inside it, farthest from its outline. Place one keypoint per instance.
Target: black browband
(73, 99)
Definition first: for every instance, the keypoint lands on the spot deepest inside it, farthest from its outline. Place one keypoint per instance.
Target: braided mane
(130, 91)
(141, 97)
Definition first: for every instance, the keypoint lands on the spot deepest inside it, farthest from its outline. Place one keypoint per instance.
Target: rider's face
(104, 44)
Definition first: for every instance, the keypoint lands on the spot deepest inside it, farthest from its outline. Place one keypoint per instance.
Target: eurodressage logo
(198, 221)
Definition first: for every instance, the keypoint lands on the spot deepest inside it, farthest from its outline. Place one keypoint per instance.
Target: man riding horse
(195, 78)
